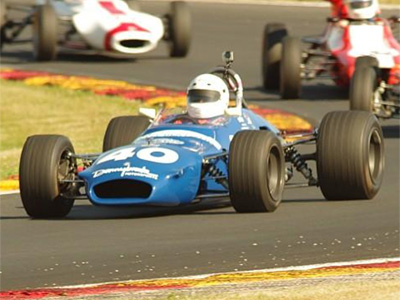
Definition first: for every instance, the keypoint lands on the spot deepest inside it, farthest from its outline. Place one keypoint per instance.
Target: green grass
(28, 110)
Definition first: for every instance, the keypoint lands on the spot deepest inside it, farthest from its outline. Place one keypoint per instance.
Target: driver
(355, 9)
(207, 97)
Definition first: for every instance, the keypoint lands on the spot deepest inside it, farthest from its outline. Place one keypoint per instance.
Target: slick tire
(44, 162)
(272, 54)
(290, 80)
(180, 29)
(256, 171)
(362, 89)
(124, 130)
(366, 61)
(45, 33)
(3, 13)
(3, 21)
(350, 155)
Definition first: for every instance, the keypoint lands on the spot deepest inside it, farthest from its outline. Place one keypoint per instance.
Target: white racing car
(103, 25)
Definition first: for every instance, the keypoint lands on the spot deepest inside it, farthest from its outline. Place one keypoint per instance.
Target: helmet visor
(203, 96)
(360, 4)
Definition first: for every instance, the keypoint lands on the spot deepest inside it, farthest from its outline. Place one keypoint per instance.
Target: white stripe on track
(292, 268)
(9, 192)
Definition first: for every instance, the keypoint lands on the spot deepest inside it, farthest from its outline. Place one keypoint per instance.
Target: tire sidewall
(290, 67)
(249, 158)
(45, 33)
(362, 89)
(272, 54)
(39, 187)
(179, 29)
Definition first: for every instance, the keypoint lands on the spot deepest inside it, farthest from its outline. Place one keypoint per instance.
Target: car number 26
(151, 154)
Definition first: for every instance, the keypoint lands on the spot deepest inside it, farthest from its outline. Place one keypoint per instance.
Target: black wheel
(124, 130)
(133, 4)
(290, 80)
(350, 155)
(3, 21)
(366, 61)
(180, 25)
(256, 171)
(272, 54)
(45, 161)
(45, 33)
(362, 89)
(3, 12)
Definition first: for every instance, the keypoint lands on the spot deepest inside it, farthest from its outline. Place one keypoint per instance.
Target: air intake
(123, 188)
(133, 43)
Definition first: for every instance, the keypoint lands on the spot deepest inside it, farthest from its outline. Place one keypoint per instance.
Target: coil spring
(215, 172)
(295, 157)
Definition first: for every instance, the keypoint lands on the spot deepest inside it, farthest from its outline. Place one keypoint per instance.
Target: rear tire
(3, 21)
(3, 13)
(362, 89)
(290, 80)
(256, 171)
(124, 130)
(272, 54)
(44, 162)
(180, 29)
(350, 155)
(45, 33)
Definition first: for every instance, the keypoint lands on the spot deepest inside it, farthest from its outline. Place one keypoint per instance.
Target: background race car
(102, 25)
(335, 54)
(176, 159)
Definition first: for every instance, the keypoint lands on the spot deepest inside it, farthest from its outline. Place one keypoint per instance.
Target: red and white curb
(207, 280)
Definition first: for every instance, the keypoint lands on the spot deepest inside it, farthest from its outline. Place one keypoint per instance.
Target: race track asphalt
(97, 244)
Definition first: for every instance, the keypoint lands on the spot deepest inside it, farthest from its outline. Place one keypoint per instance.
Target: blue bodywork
(169, 164)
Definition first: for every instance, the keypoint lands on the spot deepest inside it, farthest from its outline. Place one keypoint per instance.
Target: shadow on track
(90, 212)
(315, 92)
(25, 57)
(391, 131)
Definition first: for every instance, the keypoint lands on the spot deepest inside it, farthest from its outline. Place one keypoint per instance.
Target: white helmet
(207, 97)
(362, 9)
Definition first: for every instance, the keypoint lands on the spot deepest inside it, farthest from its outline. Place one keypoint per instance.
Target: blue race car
(173, 159)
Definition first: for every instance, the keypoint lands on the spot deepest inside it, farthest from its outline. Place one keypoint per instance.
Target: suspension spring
(300, 164)
(218, 175)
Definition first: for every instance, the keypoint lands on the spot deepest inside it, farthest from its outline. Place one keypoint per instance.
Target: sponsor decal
(127, 170)
(167, 141)
(184, 133)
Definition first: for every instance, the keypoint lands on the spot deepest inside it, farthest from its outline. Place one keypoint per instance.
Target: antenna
(227, 57)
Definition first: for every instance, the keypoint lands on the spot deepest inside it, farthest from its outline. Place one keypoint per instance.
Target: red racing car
(335, 54)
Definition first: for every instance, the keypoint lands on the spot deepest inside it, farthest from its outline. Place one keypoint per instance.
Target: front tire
(180, 29)
(290, 80)
(45, 33)
(44, 162)
(350, 155)
(272, 54)
(124, 130)
(366, 62)
(362, 89)
(256, 171)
